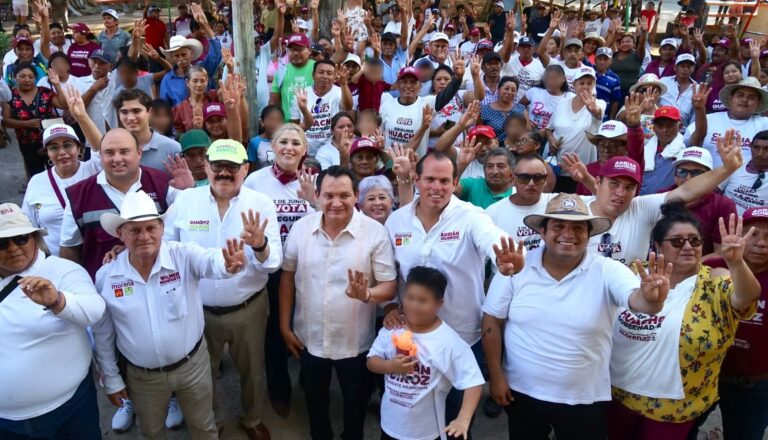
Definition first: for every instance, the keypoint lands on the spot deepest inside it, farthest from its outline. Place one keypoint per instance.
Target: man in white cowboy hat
(112, 38)
(235, 310)
(183, 52)
(46, 303)
(745, 101)
(155, 317)
(748, 186)
(556, 317)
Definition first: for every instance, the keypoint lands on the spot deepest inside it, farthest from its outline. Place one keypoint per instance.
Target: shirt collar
(126, 269)
(534, 260)
(353, 227)
(101, 179)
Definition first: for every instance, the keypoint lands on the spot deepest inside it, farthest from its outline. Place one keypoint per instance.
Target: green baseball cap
(228, 150)
(194, 139)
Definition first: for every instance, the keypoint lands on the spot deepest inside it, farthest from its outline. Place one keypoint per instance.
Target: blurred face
(564, 240)
(142, 239)
(134, 116)
(686, 171)
(272, 122)
(183, 57)
(128, 76)
(377, 205)
(507, 92)
(627, 43)
(420, 304)
(25, 79)
(337, 199)
(289, 149)
(374, 73)
(25, 52)
(554, 81)
(529, 179)
(667, 52)
(109, 21)
(731, 74)
(225, 177)
(498, 173)
(367, 124)
(343, 124)
(120, 156)
(409, 88)
(63, 153)
(99, 68)
(755, 252)
(436, 183)
(492, 69)
(584, 84)
(441, 81)
(614, 194)
(298, 55)
(160, 120)
(514, 130)
(572, 55)
(684, 70)
(608, 148)
(216, 126)
(197, 83)
(666, 130)
(759, 149)
(686, 258)
(195, 158)
(364, 163)
(744, 102)
(603, 63)
(15, 258)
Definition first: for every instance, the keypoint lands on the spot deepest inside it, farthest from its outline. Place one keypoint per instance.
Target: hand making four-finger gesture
(254, 230)
(358, 286)
(234, 255)
(654, 283)
(508, 259)
(732, 241)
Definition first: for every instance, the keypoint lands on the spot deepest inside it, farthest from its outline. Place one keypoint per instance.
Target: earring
(50, 163)
(80, 156)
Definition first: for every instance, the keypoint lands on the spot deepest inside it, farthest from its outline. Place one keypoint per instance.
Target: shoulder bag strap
(56, 189)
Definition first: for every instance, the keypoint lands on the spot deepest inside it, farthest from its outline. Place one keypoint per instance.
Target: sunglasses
(759, 182)
(218, 167)
(679, 242)
(685, 172)
(525, 179)
(19, 240)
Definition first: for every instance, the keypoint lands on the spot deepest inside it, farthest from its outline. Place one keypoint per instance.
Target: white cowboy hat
(749, 82)
(649, 79)
(136, 207)
(568, 207)
(177, 42)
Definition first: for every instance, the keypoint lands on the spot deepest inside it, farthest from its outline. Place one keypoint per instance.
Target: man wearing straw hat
(557, 314)
(155, 317)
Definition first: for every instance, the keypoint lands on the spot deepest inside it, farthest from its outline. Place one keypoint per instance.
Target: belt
(745, 380)
(175, 365)
(229, 309)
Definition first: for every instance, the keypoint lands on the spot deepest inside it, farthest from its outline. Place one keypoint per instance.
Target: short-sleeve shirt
(78, 55)
(742, 187)
(112, 44)
(718, 123)
(292, 79)
(572, 127)
(475, 190)
(401, 122)
(542, 105)
(322, 108)
(157, 150)
(509, 217)
(40, 108)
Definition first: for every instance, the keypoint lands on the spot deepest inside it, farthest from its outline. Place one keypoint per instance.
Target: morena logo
(59, 130)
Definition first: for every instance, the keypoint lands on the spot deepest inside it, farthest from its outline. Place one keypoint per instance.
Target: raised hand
(375, 40)
(732, 243)
(426, 116)
(307, 185)
(475, 65)
(314, 4)
(633, 108)
(149, 51)
(469, 118)
(347, 136)
(729, 149)
(554, 21)
(227, 58)
(74, 102)
(181, 177)
(358, 286)
(589, 101)
(53, 78)
(511, 21)
(282, 7)
(139, 28)
(342, 75)
(700, 95)
(198, 14)
(301, 98)
(468, 151)
(234, 255)
(654, 284)
(254, 230)
(508, 259)
(754, 49)
(459, 65)
(698, 38)
(401, 162)
(574, 165)
(642, 24)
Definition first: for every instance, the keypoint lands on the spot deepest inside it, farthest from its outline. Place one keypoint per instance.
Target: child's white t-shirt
(413, 406)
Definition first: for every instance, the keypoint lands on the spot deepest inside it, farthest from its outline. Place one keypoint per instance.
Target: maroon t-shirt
(748, 356)
(78, 58)
(369, 93)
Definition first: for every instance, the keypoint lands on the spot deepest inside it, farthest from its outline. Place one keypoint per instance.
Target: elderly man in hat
(112, 38)
(155, 316)
(553, 321)
(46, 303)
(235, 310)
(183, 52)
(661, 150)
(97, 89)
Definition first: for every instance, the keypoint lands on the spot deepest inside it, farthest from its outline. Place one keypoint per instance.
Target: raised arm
(76, 106)
(448, 139)
(509, 37)
(699, 99)
(346, 94)
(42, 18)
(136, 36)
(420, 36)
(746, 289)
(542, 49)
(313, 7)
(643, 26)
(279, 26)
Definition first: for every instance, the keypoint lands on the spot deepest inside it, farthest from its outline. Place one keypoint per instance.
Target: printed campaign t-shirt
(529, 74)
(509, 217)
(413, 405)
(78, 55)
(322, 108)
(542, 105)
(739, 187)
(401, 122)
(292, 78)
(718, 123)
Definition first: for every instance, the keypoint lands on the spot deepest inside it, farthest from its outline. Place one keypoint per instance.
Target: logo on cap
(56, 130)
(568, 204)
(760, 212)
(692, 153)
(625, 165)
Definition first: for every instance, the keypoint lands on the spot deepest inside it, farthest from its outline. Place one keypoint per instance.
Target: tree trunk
(327, 12)
(242, 33)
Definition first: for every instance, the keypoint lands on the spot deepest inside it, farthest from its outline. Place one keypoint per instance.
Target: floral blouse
(41, 108)
(707, 331)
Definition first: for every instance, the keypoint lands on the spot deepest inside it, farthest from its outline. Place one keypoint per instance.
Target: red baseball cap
(408, 71)
(667, 112)
(622, 166)
(299, 40)
(474, 32)
(80, 27)
(757, 213)
(363, 143)
(22, 40)
(214, 109)
(482, 130)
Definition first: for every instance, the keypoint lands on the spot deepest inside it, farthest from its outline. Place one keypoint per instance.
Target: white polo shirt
(328, 322)
(195, 218)
(44, 357)
(458, 245)
(557, 337)
(509, 217)
(682, 101)
(155, 322)
(99, 108)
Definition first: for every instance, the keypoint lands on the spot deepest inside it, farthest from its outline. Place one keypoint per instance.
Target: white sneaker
(175, 418)
(123, 418)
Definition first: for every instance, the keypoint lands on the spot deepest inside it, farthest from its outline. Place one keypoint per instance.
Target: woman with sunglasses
(691, 334)
(45, 356)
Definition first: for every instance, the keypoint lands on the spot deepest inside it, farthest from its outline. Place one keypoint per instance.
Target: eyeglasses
(679, 242)
(19, 240)
(759, 182)
(316, 108)
(522, 141)
(685, 172)
(232, 168)
(606, 248)
(525, 179)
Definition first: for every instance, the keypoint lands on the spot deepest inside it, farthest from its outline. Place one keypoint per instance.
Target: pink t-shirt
(78, 58)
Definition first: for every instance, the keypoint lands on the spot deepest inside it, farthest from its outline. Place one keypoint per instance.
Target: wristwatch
(263, 247)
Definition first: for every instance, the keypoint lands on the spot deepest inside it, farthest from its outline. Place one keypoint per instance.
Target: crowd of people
(437, 200)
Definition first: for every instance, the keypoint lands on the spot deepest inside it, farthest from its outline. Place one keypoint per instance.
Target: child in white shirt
(421, 363)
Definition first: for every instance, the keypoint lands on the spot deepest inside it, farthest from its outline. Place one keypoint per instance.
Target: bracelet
(56, 303)
(403, 182)
(368, 298)
(263, 247)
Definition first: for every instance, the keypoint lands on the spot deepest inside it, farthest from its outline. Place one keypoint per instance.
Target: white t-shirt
(630, 235)
(322, 108)
(542, 105)
(43, 207)
(454, 42)
(413, 406)
(529, 75)
(509, 217)
(54, 48)
(328, 155)
(401, 122)
(290, 207)
(738, 187)
(451, 112)
(717, 123)
(557, 336)
(572, 127)
(467, 48)
(595, 26)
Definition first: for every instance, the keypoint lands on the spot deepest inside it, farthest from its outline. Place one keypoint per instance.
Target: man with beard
(296, 75)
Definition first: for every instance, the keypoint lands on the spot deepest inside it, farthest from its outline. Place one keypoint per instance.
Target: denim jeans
(75, 419)
(744, 408)
(456, 397)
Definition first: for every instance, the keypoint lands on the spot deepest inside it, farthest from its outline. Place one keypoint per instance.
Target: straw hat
(749, 82)
(568, 207)
(177, 42)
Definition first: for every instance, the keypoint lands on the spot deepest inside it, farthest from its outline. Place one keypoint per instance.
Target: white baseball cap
(685, 57)
(669, 42)
(440, 36)
(56, 131)
(352, 58)
(584, 71)
(13, 222)
(302, 24)
(695, 155)
(609, 130)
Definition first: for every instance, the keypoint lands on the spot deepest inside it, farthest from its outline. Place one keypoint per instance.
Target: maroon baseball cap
(304, 9)
(299, 40)
(408, 71)
(726, 43)
(622, 166)
(214, 109)
(80, 27)
(22, 40)
(484, 44)
(449, 26)
(474, 32)
(756, 213)
(363, 143)
(667, 112)
(482, 130)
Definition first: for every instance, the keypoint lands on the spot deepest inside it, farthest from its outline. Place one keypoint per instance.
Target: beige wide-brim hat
(568, 207)
(749, 82)
(177, 42)
(13, 222)
(649, 79)
(136, 207)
